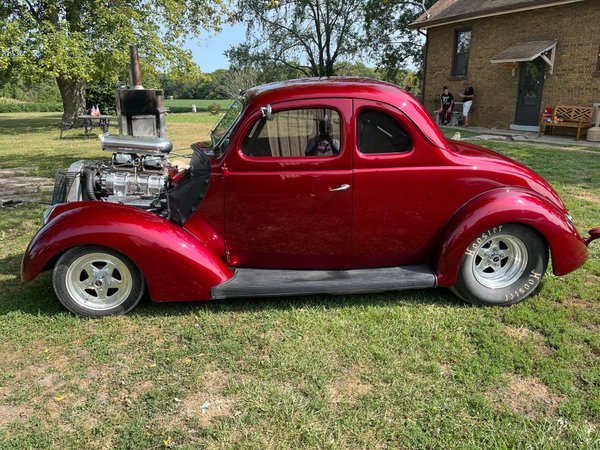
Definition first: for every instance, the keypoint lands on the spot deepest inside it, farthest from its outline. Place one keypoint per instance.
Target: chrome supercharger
(136, 174)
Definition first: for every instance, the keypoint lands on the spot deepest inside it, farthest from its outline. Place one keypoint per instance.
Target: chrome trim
(48, 213)
(343, 187)
(135, 144)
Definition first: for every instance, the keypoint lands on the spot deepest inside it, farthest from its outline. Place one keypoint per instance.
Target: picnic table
(103, 121)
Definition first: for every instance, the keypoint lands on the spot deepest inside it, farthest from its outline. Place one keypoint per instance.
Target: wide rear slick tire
(97, 281)
(503, 266)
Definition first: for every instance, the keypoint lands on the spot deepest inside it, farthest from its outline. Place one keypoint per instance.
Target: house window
(462, 45)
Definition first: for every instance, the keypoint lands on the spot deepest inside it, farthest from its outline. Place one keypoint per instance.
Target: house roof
(450, 11)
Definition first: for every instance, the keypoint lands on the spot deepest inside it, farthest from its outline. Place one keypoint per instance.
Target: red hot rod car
(309, 186)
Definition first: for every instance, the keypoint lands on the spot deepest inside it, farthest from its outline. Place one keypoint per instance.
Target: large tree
(315, 37)
(309, 36)
(76, 41)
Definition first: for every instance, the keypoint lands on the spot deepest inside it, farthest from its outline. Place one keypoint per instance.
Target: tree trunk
(72, 93)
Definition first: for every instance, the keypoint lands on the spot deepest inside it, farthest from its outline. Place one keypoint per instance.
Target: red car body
(421, 207)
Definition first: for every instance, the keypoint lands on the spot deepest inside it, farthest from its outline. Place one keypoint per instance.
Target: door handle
(343, 187)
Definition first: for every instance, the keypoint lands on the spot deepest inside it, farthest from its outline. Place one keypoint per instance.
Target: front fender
(176, 265)
(508, 205)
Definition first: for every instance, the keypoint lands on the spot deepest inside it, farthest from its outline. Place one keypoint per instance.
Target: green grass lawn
(416, 369)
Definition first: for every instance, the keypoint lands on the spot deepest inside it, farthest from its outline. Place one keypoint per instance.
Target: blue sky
(208, 50)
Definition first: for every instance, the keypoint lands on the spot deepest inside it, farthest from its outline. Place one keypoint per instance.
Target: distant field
(180, 105)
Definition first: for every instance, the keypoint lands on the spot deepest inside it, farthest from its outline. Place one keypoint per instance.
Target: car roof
(345, 87)
(319, 87)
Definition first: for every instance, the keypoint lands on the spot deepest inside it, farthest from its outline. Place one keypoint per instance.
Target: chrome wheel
(98, 281)
(500, 261)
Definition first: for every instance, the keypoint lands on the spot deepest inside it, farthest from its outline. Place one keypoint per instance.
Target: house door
(531, 86)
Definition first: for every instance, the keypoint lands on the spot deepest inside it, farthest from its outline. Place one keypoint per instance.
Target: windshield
(226, 122)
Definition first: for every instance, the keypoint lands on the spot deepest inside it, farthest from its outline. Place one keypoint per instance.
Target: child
(447, 100)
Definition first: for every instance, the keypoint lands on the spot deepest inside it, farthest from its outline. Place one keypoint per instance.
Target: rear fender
(501, 206)
(176, 265)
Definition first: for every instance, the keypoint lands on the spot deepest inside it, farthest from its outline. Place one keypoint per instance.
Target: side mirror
(267, 112)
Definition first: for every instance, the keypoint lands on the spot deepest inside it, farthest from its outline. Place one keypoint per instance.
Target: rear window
(378, 132)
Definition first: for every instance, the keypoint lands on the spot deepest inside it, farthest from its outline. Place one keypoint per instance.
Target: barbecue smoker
(139, 172)
(141, 111)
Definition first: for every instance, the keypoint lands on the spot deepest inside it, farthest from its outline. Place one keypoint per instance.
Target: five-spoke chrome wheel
(97, 281)
(500, 261)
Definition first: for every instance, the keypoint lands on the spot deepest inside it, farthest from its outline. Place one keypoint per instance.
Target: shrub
(12, 107)
(214, 108)
(103, 95)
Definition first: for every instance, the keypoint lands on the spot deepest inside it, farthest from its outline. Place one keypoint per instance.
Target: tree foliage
(77, 41)
(319, 37)
(233, 81)
(392, 45)
(308, 36)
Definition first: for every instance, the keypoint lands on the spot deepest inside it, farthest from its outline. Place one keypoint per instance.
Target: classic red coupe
(309, 186)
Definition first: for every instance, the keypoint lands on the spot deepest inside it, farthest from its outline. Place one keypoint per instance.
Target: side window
(378, 132)
(295, 133)
(462, 46)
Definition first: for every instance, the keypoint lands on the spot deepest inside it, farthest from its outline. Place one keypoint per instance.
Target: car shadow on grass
(38, 298)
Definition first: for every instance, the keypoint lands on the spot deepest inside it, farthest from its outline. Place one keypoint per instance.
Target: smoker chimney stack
(141, 111)
(135, 70)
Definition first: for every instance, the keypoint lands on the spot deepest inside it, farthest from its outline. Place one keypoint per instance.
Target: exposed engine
(138, 171)
(138, 174)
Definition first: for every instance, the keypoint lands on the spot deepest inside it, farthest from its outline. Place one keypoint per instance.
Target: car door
(399, 206)
(286, 205)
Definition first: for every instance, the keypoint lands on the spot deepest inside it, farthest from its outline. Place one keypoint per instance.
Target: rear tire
(503, 266)
(96, 281)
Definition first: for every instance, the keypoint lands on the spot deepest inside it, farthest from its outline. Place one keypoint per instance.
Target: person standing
(468, 95)
(447, 100)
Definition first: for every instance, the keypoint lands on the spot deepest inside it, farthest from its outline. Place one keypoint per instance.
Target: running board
(266, 282)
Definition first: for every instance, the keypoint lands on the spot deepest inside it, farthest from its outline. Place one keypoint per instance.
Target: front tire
(96, 281)
(503, 266)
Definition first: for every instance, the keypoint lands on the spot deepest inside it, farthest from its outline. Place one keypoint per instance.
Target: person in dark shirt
(323, 144)
(468, 95)
(447, 100)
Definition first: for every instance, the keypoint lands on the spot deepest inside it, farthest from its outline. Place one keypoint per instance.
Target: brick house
(520, 55)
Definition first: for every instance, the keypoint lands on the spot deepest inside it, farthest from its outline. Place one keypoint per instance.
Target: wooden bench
(579, 117)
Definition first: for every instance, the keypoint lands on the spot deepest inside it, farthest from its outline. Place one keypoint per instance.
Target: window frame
(455, 53)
